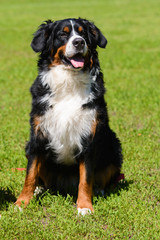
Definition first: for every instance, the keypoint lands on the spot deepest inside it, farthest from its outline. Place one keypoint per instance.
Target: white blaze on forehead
(73, 31)
(70, 49)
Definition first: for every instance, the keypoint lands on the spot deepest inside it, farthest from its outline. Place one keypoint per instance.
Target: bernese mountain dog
(71, 148)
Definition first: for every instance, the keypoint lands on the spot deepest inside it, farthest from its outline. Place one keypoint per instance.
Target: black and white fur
(71, 147)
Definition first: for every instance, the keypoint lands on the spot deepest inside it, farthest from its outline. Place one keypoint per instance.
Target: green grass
(130, 64)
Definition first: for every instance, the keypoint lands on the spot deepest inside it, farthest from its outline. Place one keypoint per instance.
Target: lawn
(131, 66)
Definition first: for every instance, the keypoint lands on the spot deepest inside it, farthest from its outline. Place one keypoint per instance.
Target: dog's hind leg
(103, 177)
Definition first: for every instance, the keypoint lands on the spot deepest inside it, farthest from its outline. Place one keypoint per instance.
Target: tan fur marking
(91, 63)
(104, 176)
(36, 123)
(85, 189)
(66, 29)
(94, 127)
(80, 29)
(57, 61)
(29, 185)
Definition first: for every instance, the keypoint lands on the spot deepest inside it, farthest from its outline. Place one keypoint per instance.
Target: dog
(71, 148)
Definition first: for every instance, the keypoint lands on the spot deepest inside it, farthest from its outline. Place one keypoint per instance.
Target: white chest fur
(66, 123)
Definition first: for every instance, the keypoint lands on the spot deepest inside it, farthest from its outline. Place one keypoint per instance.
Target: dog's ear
(41, 36)
(100, 38)
(95, 35)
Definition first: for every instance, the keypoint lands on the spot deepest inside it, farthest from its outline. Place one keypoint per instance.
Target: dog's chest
(66, 123)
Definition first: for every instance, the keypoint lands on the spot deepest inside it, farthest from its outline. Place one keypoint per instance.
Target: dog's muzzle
(76, 50)
(79, 44)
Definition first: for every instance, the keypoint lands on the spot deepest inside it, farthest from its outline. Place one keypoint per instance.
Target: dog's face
(69, 42)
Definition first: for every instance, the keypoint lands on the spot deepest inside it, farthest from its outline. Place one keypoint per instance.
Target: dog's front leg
(29, 185)
(84, 201)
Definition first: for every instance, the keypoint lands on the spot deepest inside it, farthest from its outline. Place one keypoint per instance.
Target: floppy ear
(95, 34)
(100, 38)
(41, 36)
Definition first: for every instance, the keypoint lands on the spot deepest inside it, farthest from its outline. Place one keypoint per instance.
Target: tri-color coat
(71, 148)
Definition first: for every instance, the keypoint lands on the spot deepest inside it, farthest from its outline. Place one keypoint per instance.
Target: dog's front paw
(18, 208)
(22, 201)
(84, 211)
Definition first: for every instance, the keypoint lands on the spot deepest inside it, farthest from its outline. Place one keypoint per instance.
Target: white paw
(38, 190)
(84, 211)
(18, 208)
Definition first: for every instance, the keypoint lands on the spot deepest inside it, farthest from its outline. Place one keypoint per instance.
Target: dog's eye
(63, 34)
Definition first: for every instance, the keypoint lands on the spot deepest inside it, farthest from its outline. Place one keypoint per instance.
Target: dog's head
(70, 42)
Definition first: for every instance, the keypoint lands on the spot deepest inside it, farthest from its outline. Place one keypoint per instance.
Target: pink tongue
(77, 62)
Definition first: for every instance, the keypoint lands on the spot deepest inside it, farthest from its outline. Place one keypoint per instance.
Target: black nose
(78, 43)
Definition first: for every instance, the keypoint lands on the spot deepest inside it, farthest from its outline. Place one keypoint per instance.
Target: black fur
(99, 151)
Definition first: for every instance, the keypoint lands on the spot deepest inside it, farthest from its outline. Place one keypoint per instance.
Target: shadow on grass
(112, 189)
(116, 189)
(6, 197)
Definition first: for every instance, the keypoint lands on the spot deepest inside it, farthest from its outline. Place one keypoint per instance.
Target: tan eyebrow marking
(66, 29)
(80, 29)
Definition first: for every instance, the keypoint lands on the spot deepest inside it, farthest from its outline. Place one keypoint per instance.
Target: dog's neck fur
(66, 122)
(66, 82)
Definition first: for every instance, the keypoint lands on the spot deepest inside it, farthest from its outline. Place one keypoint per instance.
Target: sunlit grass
(130, 64)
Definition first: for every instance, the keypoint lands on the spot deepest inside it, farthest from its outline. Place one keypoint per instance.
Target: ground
(130, 64)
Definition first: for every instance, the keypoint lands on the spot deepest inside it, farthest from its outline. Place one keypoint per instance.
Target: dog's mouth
(76, 61)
